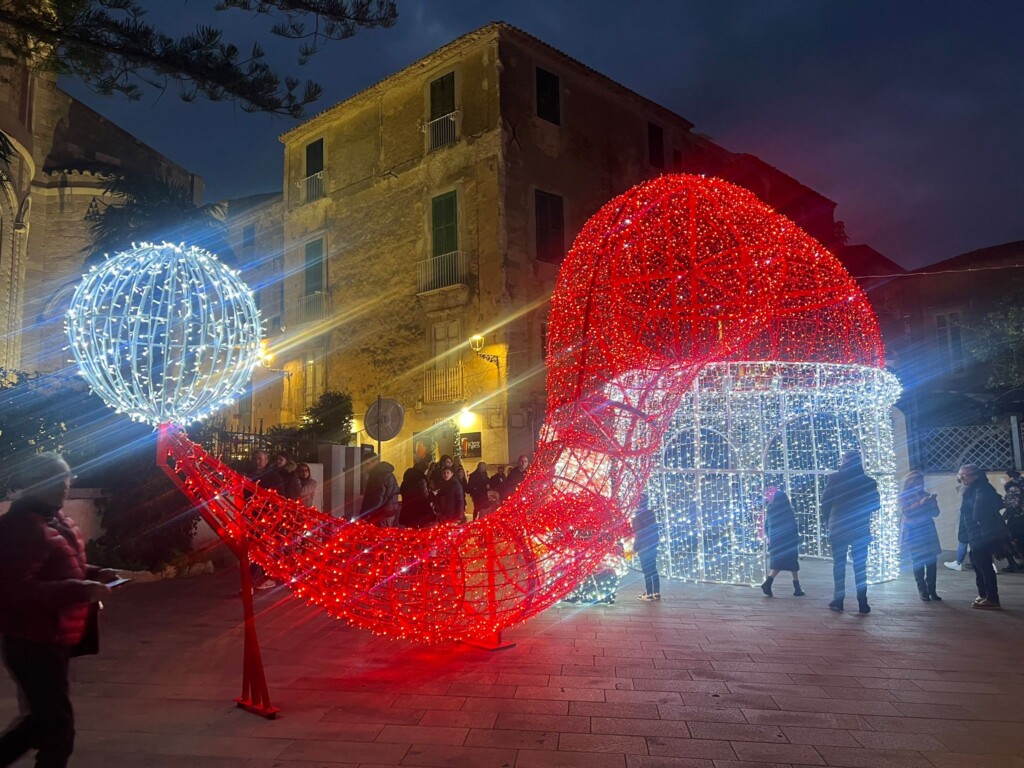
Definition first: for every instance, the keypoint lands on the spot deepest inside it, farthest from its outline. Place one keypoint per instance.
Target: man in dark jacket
(478, 482)
(516, 475)
(46, 588)
(381, 504)
(986, 532)
(849, 502)
(416, 511)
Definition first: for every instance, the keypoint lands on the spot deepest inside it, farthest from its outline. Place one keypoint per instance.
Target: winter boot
(797, 592)
(836, 605)
(862, 603)
(767, 586)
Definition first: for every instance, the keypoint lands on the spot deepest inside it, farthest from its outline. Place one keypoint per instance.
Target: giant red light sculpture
(674, 274)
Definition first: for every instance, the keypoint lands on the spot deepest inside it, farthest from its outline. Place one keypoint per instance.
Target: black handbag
(89, 645)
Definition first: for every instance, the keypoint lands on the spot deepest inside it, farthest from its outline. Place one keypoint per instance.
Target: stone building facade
(425, 218)
(49, 191)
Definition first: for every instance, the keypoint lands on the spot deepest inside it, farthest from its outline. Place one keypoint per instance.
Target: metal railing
(312, 187)
(442, 131)
(442, 271)
(444, 385)
(315, 306)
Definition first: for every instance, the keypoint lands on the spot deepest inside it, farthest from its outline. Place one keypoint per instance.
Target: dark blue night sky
(904, 113)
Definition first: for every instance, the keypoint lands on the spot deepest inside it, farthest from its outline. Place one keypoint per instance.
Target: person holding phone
(918, 537)
(46, 591)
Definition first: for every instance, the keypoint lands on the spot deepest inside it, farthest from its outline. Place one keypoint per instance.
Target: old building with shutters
(425, 219)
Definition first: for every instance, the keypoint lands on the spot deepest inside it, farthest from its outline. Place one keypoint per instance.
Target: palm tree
(154, 209)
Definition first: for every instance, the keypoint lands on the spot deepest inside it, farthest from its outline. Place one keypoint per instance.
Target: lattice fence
(990, 446)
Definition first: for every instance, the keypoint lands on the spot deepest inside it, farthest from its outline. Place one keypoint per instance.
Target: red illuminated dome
(675, 274)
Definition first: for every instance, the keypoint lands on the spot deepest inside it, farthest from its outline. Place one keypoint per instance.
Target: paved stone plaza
(712, 677)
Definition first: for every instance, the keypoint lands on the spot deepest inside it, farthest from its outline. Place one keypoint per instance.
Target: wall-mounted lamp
(476, 343)
(266, 358)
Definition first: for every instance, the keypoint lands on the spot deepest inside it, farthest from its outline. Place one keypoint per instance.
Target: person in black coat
(986, 532)
(918, 537)
(477, 488)
(783, 541)
(417, 511)
(380, 501)
(450, 501)
(849, 502)
(645, 528)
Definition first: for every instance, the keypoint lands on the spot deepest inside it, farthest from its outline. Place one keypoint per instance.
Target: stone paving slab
(711, 677)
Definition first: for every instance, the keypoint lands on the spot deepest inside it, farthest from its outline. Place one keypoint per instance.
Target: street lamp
(476, 343)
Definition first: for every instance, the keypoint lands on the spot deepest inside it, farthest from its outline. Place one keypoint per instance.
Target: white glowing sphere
(164, 333)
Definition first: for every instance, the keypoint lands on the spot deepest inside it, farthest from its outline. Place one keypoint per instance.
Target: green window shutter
(444, 224)
(442, 96)
(314, 268)
(550, 225)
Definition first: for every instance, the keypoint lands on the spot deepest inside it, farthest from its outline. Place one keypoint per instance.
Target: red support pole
(255, 696)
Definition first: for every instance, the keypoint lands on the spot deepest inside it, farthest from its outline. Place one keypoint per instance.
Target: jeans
(961, 552)
(859, 553)
(47, 722)
(649, 562)
(984, 573)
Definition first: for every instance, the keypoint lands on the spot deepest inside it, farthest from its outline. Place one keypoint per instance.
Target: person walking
(450, 501)
(46, 592)
(849, 502)
(783, 541)
(918, 538)
(1013, 516)
(416, 510)
(986, 532)
(381, 503)
(645, 528)
(477, 488)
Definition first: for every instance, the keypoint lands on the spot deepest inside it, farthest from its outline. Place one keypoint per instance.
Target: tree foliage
(111, 47)
(329, 418)
(153, 209)
(999, 342)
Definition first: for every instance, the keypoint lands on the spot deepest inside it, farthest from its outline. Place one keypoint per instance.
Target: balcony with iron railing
(442, 131)
(312, 187)
(442, 282)
(444, 385)
(312, 307)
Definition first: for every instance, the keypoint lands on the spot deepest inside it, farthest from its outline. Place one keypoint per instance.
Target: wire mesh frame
(745, 426)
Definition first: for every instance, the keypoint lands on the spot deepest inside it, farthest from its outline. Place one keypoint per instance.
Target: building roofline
(492, 31)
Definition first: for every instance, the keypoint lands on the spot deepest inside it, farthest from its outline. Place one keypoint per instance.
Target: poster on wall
(423, 447)
(472, 446)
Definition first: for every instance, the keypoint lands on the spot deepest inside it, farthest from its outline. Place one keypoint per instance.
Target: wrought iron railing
(442, 271)
(313, 307)
(312, 187)
(444, 385)
(442, 131)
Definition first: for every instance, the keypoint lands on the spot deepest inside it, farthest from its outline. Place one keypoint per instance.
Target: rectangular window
(442, 96)
(550, 217)
(549, 106)
(249, 236)
(950, 339)
(655, 145)
(314, 268)
(314, 157)
(444, 222)
(312, 378)
(444, 344)
(245, 404)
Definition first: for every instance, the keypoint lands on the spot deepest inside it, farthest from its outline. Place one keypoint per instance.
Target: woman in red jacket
(46, 588)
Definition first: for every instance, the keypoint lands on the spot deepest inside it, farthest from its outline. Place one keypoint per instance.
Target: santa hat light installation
(676, 274)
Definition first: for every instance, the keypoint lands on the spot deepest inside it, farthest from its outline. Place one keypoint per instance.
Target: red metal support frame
(255, 696)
